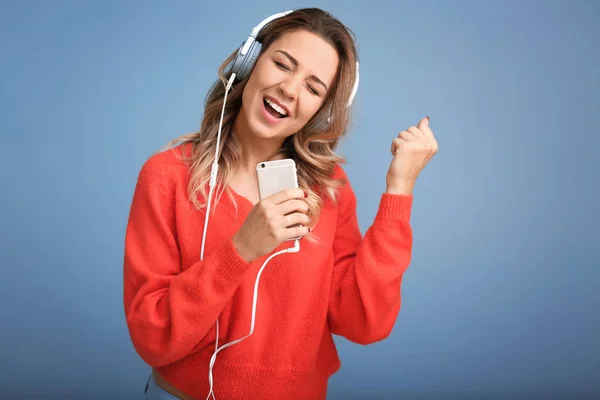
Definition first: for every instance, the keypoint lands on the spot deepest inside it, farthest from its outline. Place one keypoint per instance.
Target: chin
(263, 130)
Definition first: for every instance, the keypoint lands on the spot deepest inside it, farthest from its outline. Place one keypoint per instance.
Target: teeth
(276, 107)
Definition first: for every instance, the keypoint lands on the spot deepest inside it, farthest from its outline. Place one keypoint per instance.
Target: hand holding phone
(280, 215)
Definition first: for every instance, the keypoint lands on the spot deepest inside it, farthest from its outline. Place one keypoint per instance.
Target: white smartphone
(275, 176)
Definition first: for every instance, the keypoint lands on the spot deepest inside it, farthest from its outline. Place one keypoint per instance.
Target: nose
(289, 87)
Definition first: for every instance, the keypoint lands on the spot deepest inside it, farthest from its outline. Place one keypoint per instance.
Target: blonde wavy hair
(312, 150)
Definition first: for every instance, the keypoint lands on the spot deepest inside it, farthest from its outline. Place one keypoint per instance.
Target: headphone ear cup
(235, 65)
(243, 64)
(323, 123)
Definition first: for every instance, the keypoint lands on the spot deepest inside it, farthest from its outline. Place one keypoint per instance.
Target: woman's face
(288, 85)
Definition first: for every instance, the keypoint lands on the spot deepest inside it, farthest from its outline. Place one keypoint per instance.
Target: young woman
(180, 305)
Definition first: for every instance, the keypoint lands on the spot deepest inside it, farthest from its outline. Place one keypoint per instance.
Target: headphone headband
(252, 38)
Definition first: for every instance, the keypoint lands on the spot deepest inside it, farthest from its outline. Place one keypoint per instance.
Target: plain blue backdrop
(501, 299)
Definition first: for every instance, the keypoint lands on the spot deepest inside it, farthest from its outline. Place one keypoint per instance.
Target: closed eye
(281, 65)
(313, 90)
(285, 67)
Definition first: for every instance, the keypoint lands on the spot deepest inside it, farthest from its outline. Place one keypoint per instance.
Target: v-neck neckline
(242, 205)
(240, 197)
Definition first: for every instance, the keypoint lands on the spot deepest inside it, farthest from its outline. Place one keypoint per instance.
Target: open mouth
(274, 110)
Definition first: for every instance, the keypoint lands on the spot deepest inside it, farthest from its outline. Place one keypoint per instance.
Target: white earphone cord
(294, 249)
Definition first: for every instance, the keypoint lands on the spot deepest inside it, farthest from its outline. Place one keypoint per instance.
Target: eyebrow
(296, 63)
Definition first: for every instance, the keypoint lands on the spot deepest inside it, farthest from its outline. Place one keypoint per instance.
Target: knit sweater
(340, 284)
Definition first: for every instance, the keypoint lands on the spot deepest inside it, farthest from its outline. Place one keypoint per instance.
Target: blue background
(501, 299)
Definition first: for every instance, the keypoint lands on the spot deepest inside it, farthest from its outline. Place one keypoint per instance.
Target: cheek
(249, 97)
(308, 111)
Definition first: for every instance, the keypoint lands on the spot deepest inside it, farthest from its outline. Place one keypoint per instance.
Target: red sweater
(343, 284)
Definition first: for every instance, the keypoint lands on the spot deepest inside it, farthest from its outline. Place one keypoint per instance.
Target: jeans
(155, 392)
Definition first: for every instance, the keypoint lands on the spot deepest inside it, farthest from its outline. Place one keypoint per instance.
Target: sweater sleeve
(167, 311)
(367, 277)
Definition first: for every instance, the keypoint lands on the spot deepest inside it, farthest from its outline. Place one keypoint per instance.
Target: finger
(284, 195)
(396, 143)
(428, 134)
(291, 206)
(295, 219)
(424, 127)
(417, 133)
(423, 123)
(407, 135)
(297, 231)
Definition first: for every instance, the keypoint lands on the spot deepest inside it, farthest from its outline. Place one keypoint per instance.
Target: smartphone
(275, 176)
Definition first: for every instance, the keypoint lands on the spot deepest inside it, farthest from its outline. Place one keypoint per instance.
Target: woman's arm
(168, 312)
(366, 288)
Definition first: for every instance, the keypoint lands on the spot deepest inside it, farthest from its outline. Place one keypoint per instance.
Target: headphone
(250, 50)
